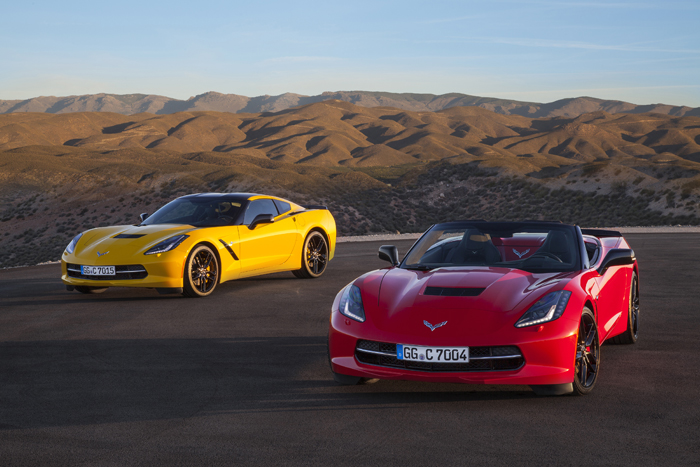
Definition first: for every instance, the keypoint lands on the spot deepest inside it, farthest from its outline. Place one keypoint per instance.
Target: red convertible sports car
(490, 303)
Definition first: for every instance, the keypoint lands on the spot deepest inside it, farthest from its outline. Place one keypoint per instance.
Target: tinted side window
(257, 207)
(282, 206)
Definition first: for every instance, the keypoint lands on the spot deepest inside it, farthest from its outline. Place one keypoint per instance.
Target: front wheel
(201, 272)
(587, 363)
(314, 256)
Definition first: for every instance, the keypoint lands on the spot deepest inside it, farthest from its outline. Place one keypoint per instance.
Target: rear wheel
(314, 257)
(86, 289)
(587, 363)
(201, 272)
(630, 335)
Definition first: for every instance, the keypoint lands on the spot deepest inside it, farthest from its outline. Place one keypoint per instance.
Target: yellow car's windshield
(198, 212)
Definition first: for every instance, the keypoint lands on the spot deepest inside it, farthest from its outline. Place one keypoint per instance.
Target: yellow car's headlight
(167, 245)
(71, 246)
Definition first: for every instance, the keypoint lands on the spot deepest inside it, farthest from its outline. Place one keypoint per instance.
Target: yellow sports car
(197, 241)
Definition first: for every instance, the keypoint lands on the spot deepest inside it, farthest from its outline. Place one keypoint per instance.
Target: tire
(201, 272)
(631, 333)
(552, 389)
(314, 256)
(587, 357)
(345, 380)
(90, 290)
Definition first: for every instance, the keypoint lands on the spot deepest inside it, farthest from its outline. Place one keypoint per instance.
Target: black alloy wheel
(587, 362)
(630, 334)
(314, 256)
(201, 272)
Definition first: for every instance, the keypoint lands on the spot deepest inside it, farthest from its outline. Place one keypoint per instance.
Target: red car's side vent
(453, 291)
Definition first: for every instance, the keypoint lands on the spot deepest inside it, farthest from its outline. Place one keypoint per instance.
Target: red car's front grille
(501, 358)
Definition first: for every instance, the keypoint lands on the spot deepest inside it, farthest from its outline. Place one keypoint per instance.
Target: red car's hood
(401, 304)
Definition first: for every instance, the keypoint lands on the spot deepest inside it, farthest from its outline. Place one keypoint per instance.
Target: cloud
(299, 59)
(630, 5)
(529, 42)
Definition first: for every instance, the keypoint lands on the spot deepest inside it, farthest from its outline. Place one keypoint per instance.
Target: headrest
(558, 241)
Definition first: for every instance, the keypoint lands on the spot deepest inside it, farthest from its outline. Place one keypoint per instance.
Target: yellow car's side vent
(228, 248)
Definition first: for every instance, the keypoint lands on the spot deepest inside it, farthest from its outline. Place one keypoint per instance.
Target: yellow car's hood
(123, 241)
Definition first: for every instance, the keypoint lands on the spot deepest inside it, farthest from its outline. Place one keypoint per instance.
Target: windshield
(199, 212)
(531, 247)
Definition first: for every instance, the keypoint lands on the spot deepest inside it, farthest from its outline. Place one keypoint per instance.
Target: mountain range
(128, 104)
(379, 169)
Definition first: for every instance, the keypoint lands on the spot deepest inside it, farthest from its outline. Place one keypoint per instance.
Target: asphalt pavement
(130, 377)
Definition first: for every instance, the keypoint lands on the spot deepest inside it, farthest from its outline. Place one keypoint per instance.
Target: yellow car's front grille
(125, 272)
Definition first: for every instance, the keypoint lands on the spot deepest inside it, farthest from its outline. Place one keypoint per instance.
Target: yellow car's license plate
(97, 270)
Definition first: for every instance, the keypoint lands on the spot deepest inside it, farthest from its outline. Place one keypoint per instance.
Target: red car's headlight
(547, 308)
(350, 303)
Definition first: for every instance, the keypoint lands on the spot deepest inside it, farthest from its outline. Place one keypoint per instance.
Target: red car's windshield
(530, 247)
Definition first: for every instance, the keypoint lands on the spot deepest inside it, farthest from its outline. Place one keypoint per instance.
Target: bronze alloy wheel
(587, 354)
(201, 272)
(314, 257)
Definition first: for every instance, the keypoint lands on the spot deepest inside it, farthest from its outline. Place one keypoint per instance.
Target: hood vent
(453, 291)
(129, 236)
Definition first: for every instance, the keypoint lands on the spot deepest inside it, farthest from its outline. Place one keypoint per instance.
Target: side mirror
(389, 253)
(617, 257)
(143, 216)
(261, 219)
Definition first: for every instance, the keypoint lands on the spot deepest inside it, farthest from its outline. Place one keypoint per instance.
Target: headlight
(351, 303)
(71, 246)
(167, 245)
(547, 308)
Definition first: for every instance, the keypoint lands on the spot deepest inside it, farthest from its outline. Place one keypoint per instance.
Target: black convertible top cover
(601, 233)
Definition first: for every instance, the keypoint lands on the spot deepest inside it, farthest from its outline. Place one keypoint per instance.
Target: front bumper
(160, 273)
(548, 352)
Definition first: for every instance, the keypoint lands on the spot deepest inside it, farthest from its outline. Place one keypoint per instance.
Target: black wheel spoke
(203, 271)
(587, 352)
(591, 336)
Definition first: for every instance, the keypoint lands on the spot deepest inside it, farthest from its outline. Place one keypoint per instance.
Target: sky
(642, 52)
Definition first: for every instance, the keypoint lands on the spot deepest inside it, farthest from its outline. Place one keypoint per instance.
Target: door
(267, 246)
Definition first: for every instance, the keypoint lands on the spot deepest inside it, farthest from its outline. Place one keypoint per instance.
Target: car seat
(474, 248)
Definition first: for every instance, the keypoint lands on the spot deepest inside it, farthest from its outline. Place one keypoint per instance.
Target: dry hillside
(379, 168)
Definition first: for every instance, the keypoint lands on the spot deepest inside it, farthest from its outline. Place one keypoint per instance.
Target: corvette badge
(520, 255)
(432, 328)
(102, 254)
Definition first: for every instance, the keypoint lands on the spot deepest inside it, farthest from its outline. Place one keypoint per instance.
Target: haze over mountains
(128, 104)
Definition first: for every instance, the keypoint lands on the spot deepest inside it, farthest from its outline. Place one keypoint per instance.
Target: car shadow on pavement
(82, 382)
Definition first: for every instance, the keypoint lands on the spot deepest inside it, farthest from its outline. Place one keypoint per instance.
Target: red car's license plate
(432, 354)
